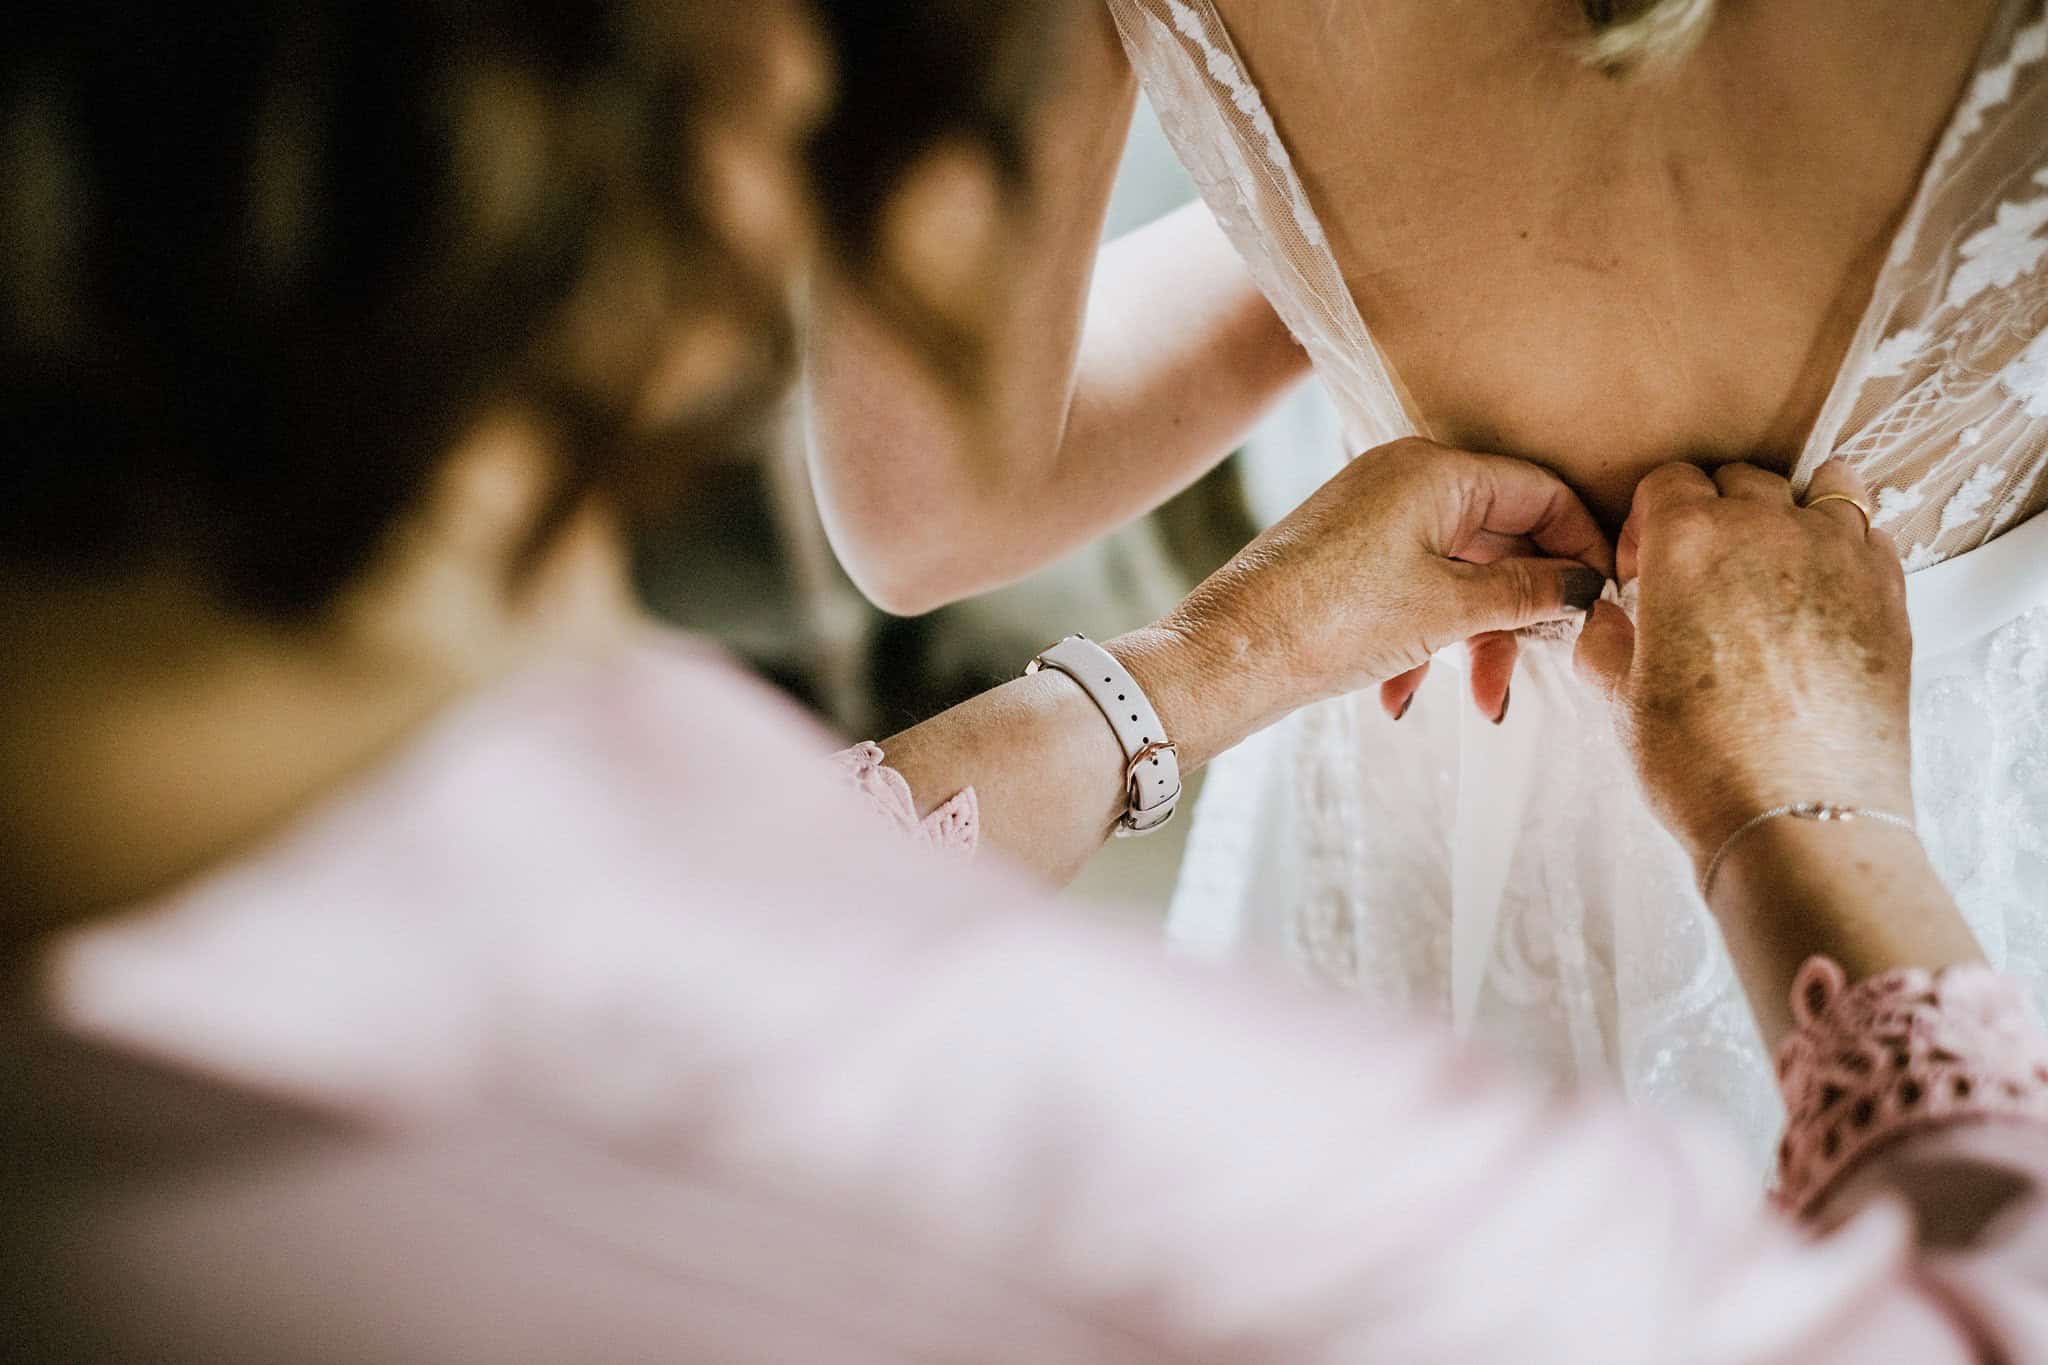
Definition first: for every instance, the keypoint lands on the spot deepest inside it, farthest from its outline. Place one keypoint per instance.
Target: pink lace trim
(1895, 1054)
(954, 827)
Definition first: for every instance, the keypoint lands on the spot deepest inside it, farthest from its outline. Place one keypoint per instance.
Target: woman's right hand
(1405, 551)
(1770, 659)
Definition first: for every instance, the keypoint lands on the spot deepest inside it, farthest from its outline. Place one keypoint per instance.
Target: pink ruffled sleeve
(955, 827)
(1898, 1054)
(1927, 1093)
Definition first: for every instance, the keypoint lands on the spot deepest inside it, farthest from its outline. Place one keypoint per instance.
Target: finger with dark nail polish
(1582, 588)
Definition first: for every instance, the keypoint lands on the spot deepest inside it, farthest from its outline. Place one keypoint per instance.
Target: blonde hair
(1629, 34)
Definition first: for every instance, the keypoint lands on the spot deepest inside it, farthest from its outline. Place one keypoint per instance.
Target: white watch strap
(1151, 765)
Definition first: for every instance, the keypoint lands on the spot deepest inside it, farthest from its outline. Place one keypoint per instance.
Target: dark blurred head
(266, 262)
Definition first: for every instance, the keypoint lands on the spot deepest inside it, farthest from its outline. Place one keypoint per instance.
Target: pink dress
(604, 1025)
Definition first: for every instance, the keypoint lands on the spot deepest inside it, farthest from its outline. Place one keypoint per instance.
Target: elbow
(917, 523)
(903, 596)
(908, 549)
(913, 546)
(902, 580)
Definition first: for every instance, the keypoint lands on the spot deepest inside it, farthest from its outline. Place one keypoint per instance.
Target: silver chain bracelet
(1822, 812)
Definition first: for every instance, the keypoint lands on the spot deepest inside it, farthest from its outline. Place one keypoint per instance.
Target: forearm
(1859, 892)
(1180, 356)
(1045, 767)
(1343, 593)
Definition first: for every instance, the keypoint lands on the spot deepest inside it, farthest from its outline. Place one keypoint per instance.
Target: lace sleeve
(955, 827)
(1895, 1055)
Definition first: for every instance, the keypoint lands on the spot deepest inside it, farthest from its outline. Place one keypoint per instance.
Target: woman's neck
(150, 733)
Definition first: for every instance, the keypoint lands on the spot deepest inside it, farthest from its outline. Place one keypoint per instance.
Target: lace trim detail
(1225, 136)
(954, 827)
(1896, 1054)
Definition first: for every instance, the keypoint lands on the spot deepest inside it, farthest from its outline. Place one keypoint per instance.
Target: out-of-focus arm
(747, 1080)
(1114, 377)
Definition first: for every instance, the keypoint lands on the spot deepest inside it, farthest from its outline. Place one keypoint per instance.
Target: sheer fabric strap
(1219, 125)
(1898, 1054)
(955, 827)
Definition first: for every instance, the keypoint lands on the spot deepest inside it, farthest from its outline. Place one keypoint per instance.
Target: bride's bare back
(1606, 274)
(1602, 273)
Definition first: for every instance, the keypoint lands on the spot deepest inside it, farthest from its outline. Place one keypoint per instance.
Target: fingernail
(1582, 588)
(1505, 698)
(1404, 707)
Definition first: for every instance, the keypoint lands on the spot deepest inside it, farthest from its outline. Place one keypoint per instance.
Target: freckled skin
(1808, 612)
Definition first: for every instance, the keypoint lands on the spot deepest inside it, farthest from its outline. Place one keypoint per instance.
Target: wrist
(1207, 698)
(1790, 853)
(1710, 858)
(1720, 797)
(1860, 892)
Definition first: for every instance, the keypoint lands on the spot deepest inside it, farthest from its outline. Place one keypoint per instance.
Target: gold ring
(1856, 503)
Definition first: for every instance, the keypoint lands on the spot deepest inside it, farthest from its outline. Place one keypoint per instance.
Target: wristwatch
(1151, 762)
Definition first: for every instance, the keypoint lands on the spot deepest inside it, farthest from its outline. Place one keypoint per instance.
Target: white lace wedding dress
(1512, 879)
